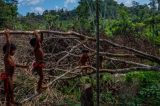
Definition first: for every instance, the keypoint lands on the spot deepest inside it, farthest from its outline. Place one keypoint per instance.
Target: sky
(38, 6)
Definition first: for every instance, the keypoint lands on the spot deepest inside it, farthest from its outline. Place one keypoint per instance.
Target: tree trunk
(87, 95)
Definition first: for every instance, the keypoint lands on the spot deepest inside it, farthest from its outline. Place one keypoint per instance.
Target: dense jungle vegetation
(137, 26)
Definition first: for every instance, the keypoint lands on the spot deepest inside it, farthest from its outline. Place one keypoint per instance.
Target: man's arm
(38, 39)
(22, 66)
(8, 42)
(89, 60)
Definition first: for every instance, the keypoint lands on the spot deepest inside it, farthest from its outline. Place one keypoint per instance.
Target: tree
(158, 2)
(8, 13)
(85, 14)
(51, 21)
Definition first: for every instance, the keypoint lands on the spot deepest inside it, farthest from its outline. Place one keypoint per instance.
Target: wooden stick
(18, 32)
(49, 84)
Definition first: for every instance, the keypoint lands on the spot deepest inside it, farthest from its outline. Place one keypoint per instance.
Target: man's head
(33, 42)
(84, 51)
(12, 48)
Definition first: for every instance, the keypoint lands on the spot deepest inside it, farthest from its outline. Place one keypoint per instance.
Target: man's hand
(22, 66)
(36, 32)
(27, 67)
(7, 31)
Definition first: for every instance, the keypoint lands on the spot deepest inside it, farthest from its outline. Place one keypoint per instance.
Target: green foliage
(106, 77)
(150, 95)
(69, 102)
(149, 87)
(115, 19)
(107, 97)
(8, 13)
(51, 20)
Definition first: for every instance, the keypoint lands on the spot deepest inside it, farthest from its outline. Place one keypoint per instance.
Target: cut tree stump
(87, 95)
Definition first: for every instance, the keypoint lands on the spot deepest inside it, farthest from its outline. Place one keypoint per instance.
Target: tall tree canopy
(8, 13)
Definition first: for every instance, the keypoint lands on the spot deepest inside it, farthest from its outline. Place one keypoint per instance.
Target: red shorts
(5, 77)
(38, 65)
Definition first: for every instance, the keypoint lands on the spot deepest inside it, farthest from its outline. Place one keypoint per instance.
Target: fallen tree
(62, 59)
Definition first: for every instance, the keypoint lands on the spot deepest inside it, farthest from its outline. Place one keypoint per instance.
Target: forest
(129, 50)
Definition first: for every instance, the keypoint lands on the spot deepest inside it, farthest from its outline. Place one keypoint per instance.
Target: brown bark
(87, 95)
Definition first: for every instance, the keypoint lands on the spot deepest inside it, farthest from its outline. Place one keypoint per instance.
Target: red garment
(5, 77)
(84, 59)
(38, 65)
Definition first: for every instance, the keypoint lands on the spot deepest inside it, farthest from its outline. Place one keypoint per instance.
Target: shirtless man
(38, 65)
(10, 65)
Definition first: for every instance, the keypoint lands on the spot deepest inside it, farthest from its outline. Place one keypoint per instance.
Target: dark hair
(12, 47)
(33, 42)
(85, 51)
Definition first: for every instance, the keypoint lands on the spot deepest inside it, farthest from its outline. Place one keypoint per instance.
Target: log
(87, 95)
(47, 31)
(82, 37)
(137, 52)
(127, 62)
(115, 71)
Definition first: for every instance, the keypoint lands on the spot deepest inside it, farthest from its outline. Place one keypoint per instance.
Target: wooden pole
(97, 52)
